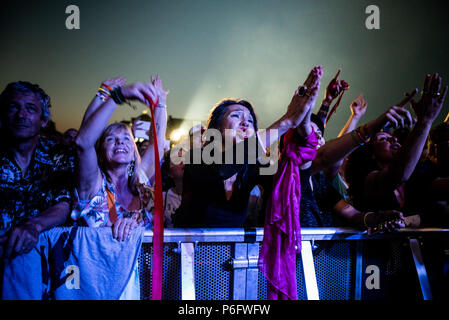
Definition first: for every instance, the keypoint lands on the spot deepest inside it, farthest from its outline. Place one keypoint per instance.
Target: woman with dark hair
(216, 193)
(379, 172)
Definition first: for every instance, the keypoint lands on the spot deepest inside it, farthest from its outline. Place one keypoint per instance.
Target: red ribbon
(158, 216)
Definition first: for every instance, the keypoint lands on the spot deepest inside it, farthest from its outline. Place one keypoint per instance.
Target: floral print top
(95, 212)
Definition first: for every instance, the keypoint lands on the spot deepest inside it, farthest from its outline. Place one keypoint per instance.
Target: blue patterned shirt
(48, 181)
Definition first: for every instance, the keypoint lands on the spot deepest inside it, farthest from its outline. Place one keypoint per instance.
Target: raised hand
(161, 93)
(431, 102)
(358, 107)
(140, 91)
(396, 115)
(115, 82)
(334, 88)
(304, 98)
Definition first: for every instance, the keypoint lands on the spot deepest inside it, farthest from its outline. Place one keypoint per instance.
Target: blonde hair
(133, 180)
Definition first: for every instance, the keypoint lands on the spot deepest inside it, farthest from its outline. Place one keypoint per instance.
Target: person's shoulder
(56, 152)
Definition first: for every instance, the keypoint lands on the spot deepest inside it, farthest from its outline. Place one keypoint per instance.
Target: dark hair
(167, 181)
(216, 119)
(438, 131)
(317, 120)
(27, 87)
(360, 163)
(218, 111)
(401, 134)
(435, 137)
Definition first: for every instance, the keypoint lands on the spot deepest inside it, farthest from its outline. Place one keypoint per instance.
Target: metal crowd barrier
(334, 264)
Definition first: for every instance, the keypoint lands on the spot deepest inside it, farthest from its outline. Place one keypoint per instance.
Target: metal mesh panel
(212, 271)
(171, 277)
(332, 262)
(261, 286)
(398, 278)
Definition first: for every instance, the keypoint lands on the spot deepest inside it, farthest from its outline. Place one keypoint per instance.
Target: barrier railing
(335, 264)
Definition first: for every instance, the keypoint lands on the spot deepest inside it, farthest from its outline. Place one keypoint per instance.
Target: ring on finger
(302, 90)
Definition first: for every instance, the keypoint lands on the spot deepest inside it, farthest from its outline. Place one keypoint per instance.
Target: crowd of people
(388, 173)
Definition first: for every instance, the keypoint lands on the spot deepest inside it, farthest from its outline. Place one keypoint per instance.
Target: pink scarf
(282, 232)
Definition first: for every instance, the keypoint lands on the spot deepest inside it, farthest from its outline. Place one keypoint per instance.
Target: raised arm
(333, 90)
(100, 97)
(300, 106)
(88, 175)
(404, 163)
(337, 149)
(160, 119)
(358, 109)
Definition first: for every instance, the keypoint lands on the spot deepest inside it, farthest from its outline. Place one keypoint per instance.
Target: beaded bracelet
(364, 219)
(103, 94)
(360, 139)
(107, 87)
(362, 133)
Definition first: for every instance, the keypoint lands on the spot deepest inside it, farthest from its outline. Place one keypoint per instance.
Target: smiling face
(118, 146)
(238, 119)
(385, 147)
(22, 115)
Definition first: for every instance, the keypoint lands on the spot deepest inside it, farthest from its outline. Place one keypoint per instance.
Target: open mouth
(395, 146)
(244, 133)
(120, 150)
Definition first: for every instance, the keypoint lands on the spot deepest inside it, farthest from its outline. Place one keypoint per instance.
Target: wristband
(117, 96)
(364, 219)
(362, 133)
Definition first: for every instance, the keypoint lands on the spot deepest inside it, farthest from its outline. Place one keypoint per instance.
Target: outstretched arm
(404, 163)
(358, 109)
(299, 108)
(337, 149)
(333, 90)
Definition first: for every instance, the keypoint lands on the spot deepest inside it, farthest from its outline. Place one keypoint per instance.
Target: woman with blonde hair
(113, 187)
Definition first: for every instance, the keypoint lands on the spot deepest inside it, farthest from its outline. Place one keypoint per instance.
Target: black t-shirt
(204, 203)
(317, 204)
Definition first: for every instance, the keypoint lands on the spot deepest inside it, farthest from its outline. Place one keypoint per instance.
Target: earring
(131, 169)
